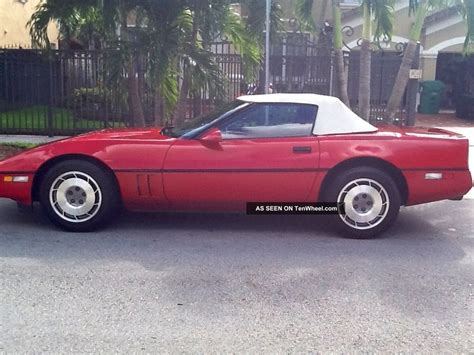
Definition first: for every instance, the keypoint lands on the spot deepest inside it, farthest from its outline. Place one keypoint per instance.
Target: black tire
(350, 186)
(97, 189)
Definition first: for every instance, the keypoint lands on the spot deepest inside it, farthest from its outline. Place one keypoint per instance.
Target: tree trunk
(401, 80)
(338, 54)
(134, 101)
(197, 105)
(158, 112)
(364, 80)
(341, 76)
(179, 114)
(322, 13)
(365, 63)
(404, 72)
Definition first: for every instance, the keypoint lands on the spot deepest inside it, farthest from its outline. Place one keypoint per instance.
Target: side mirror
(212, 136)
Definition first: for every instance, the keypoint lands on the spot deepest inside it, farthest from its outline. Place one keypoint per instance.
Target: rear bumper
(452, 185)
(17, 191)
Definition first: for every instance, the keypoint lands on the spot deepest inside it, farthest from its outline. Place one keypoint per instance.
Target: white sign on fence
(416, 73)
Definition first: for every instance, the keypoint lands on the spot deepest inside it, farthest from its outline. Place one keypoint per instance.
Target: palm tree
(338, 53)
(468, 11)
(73, 15)
(170, 37)
(255, 13)
(401, 81)
(382, 13)
(254, 21)
(200, 71)
(421, 8)
(304, 13)
(162, 37)
(155, 41)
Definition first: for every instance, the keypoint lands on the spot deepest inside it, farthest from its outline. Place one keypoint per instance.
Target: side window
(271, 121)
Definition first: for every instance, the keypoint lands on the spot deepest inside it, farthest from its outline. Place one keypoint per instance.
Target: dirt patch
(7, 151)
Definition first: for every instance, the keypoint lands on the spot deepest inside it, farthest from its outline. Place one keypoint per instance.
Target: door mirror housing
(212, 136)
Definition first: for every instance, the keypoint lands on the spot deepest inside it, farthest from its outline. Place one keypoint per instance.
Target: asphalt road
(228, 283)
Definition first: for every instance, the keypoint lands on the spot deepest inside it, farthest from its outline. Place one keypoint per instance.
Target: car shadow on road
(414, 227)
(414, 223)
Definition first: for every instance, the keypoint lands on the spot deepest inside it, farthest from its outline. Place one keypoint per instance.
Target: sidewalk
(442, 120)
(449, 122)
(5, 138)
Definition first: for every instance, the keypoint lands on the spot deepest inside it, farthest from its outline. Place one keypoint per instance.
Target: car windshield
(201, 121)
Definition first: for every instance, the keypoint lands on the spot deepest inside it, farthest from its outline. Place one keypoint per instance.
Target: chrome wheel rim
(366, 203)
(75, 197)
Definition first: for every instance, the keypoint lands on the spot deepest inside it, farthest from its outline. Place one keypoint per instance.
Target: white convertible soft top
(333, 116)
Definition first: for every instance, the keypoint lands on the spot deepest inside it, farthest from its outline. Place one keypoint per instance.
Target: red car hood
(124, 133)
(105, 145)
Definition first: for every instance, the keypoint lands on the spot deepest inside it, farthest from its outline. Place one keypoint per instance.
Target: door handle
(302, 150)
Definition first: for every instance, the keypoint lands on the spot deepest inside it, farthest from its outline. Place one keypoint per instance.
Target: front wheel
(371, 202)
(78, 195)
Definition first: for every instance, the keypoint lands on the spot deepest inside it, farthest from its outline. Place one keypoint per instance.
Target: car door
(267, 154)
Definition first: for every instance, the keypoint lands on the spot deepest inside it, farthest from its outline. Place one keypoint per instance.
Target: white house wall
(446, 35)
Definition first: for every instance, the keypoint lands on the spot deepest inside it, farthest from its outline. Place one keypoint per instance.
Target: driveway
(228, 283)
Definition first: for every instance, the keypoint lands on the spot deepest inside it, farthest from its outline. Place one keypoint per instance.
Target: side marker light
(433, 176)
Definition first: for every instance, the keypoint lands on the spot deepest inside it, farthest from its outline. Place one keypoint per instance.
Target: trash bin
(431, 95)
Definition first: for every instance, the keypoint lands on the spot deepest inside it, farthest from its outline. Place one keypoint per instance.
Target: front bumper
(19, 191)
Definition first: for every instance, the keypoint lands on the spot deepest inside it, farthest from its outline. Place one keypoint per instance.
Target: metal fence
(63, 92)
(58, 93)
(300, 64)
(384, 69)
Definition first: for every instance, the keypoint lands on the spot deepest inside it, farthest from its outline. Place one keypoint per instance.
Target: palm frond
(412, 6)
(468, 12)
(303, 11)
(169, 89)
(383, 11)
(255, 10)
(207, 75)
(68, 15)
(245, 45)
(110, 14)
(39, 23)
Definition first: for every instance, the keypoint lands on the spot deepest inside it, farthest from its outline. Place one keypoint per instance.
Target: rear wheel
(78, 195)
(371, 202)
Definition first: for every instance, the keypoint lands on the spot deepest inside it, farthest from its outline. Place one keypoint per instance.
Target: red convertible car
(262, 148)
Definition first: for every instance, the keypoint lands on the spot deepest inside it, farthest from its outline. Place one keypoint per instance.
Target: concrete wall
(447, 30)
(14, 14)
(445, 35)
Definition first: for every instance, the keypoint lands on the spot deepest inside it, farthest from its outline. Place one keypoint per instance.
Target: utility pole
(267, 47)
